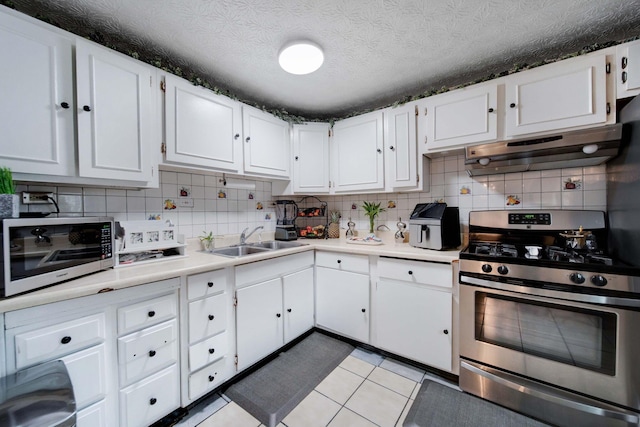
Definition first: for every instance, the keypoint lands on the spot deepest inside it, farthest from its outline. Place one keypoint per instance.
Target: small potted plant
(207, 240)
(372, 210)
(9, 201)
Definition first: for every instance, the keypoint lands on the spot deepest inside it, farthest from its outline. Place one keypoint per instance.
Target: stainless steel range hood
(588, 147)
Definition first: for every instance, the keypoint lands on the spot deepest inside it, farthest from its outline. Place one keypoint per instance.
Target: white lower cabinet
(92, 416)
(413, 311)
(274, 304)
(342, 294)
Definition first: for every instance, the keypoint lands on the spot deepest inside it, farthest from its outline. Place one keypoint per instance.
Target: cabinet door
(37, 103)
(259, 321)
(357, 156)
(342, 302)
(415, 322)
(628, 76)
(311, 158)
(561, 95)
(267, 143)
(115, 115)
(298, 303)
(400, 147)
(87, 370)
(202, 128)
(461, 117)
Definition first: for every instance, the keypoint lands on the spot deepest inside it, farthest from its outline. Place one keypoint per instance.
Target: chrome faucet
(244, 236)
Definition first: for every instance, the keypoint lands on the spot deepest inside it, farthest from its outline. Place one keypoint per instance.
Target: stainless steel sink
(277, 244)
(238, 251)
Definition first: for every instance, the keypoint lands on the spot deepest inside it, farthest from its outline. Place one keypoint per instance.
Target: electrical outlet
(29, 197)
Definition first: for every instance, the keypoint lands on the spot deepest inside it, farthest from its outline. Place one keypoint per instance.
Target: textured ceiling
(376, 51)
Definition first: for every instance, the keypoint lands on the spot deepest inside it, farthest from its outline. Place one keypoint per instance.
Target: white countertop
(197, 261)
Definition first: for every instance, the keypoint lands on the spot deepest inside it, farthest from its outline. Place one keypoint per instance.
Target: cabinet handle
(624, 77)
(512, 105)
(339, 261)
(379, 150)
(248, 139)
(288, 310)
(86, 108)
(446, 332)
(296, 158)
(65, 340)
(410, 272)
(151, 313)
(491, 110)
(392, 148)
(278, 315)
(211, 317)
(152, 353)
(211, 378)
(152, 401)
(364, 310)
(210, 284)
(64, 105)
(236, 136)
(212, 350)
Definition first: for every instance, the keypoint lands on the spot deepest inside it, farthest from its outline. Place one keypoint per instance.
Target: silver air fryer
(434, 226)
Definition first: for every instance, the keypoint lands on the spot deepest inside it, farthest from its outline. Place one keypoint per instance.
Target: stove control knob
(503, 269)
(486, 268)
(577, 278)
(598, 280)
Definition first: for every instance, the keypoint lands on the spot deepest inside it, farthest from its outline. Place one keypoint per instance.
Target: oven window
(571, 335)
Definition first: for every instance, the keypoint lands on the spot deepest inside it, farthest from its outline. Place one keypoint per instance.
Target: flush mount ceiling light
(301, 58)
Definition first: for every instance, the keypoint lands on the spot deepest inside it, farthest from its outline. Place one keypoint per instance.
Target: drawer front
(93, 416)
(88, 375)
(147, 313)
(427, 273)
(147, 401)
(148, 350)
(59, 340)
(344, 262)
(207, 317)
(207, 351)
(262, 271)
(205, 284)
(208, 378)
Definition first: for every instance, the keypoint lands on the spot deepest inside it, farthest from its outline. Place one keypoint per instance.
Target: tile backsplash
(198, 203)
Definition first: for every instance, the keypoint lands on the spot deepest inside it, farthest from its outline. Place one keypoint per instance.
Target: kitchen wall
(197, 202)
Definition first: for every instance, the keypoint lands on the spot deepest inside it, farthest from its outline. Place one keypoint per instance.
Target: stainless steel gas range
(549, 323)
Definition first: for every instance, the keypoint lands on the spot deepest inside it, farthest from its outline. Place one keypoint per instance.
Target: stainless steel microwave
(38, 252)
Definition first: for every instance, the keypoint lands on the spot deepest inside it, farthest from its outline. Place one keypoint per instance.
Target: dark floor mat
(437, 405)
(272, 391)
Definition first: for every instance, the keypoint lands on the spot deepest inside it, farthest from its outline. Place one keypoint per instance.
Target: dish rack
(313, 213)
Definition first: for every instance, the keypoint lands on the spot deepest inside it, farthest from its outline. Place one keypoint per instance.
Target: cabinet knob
(491, 110)
(211, 317)
(152, 401)
(212, 350)
(364, 310)
(65, 340)
(210, 284)
(512, 105)
(446, 332)
(296, 158)
(64, 105)
(248, 139)
(278, 315)
(410, 272)
(152, 353)
(379, 150)
(339, 261)
(86, 108)
(211, 378)
(288, 310)
(236, 136)
(392, 148)
(151, 313)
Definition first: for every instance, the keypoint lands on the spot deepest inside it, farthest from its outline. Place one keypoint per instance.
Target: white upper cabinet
(628, 69)
(116, 105)
(357, 153)
(267, 143)
(37, 104)
(401, 150)
(311, 158)
(202, 128)
(561, 95)
(464, 116)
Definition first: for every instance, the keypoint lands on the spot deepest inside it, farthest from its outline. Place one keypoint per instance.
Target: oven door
(587, 346)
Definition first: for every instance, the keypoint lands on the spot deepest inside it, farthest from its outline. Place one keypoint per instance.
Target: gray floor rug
(272, 391)
(437, 405)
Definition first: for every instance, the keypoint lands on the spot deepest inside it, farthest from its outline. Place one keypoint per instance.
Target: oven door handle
(529, 388)
(567, 296)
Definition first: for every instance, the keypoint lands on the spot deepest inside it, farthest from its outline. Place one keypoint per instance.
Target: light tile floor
(365, 390)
